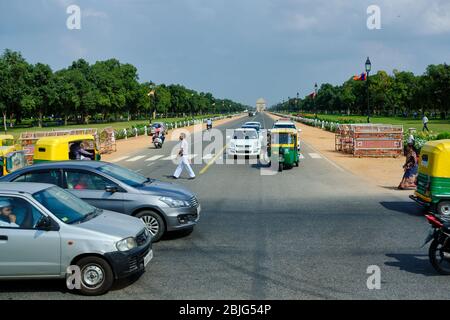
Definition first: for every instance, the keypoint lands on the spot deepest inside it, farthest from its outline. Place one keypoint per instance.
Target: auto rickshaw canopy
(6, 140)
(58, 148)
(283, 137)
(435, 159)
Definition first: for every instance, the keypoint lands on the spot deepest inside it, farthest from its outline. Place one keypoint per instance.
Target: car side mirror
(44, 224)
(111, 189)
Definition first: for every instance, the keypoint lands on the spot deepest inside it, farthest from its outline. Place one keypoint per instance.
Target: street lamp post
(368, 68)
(296, 103)
(314, 99)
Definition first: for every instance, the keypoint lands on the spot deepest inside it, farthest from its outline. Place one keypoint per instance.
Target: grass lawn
(436, 126)
(116, 125)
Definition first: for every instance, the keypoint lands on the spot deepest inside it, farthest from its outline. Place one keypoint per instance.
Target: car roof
(23, 187)
(64, 164)
(253, 122)
(245, 129)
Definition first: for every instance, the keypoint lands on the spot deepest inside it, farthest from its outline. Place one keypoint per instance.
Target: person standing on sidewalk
(184, 159)
(425, 123)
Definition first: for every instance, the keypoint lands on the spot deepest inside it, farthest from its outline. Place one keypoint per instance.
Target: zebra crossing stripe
(315, 155)
(135, 158)
(120, 159)
(155, 157)
(171, 157)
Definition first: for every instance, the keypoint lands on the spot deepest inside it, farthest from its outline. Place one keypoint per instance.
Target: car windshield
(284, 126)
(283, 138)
(124, 175)
(64, 205)
(245, 134)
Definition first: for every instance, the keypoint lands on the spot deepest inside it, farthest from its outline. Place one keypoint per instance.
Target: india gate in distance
(260, 105)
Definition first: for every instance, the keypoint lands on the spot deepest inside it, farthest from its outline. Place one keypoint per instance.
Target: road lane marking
(154, 157)
(191, 156)
(138, 170)
(150, 164)
(135, 158)
(208, 156)
(171, 157)
(315, 155)
(211, 162)
(120, 159)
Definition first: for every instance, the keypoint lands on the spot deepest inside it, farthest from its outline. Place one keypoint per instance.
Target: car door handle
(3, 238)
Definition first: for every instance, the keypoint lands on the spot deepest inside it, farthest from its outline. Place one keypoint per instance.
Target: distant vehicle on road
(245, 142)
(161, 206)
(158, 125)
(284, 124)
(251, 114)
(53, 230)
(257, 127)
(253, 123)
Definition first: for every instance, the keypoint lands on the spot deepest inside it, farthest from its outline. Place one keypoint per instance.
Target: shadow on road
(408, 207)
(174, 235)
(56, 285)
(413, 263)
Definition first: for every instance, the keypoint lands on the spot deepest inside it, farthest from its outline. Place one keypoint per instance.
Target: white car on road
(244, 142)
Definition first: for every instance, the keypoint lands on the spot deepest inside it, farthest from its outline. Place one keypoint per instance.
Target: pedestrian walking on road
(425, 123)
(184, 159)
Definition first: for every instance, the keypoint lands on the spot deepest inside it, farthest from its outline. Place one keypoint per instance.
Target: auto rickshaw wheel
(296, 163)
(443, 208)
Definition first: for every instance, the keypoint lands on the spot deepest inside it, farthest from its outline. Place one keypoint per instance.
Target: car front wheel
(97, 276)
(154, 222)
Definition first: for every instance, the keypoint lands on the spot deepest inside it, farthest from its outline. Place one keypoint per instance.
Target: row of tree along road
(105, 91)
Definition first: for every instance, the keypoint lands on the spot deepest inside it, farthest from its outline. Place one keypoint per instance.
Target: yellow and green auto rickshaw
(60, 148)
(11, 159)
(6, 140)
(433, 181)
(283, 147)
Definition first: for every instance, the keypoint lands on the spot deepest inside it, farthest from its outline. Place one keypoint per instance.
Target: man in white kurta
(184, 159)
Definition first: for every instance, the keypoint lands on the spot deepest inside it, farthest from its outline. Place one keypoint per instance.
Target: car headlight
(174, 203)
(126, 244)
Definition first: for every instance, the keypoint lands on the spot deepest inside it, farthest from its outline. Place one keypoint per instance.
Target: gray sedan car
(160, 205)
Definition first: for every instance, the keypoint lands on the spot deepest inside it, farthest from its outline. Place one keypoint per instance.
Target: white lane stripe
(208, 156)
(154, 157)
(315, 155)
(120, 159)
(171, 157)
(135, 158)
(191, 156)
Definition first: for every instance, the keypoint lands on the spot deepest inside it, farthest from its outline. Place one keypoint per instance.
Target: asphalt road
(306, 233)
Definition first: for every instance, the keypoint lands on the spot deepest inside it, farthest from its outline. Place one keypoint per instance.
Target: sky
(238, 49)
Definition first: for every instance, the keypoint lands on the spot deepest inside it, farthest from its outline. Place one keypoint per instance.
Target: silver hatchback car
(161, 205)
(44, 230)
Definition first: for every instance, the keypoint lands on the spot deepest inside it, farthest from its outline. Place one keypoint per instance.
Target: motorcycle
(208, 127)
(439, 251)
(158, 141)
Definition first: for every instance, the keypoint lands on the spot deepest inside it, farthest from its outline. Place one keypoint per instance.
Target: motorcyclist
(209, 124)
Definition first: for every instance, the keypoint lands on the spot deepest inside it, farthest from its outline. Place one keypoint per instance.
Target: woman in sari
(411, 168)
